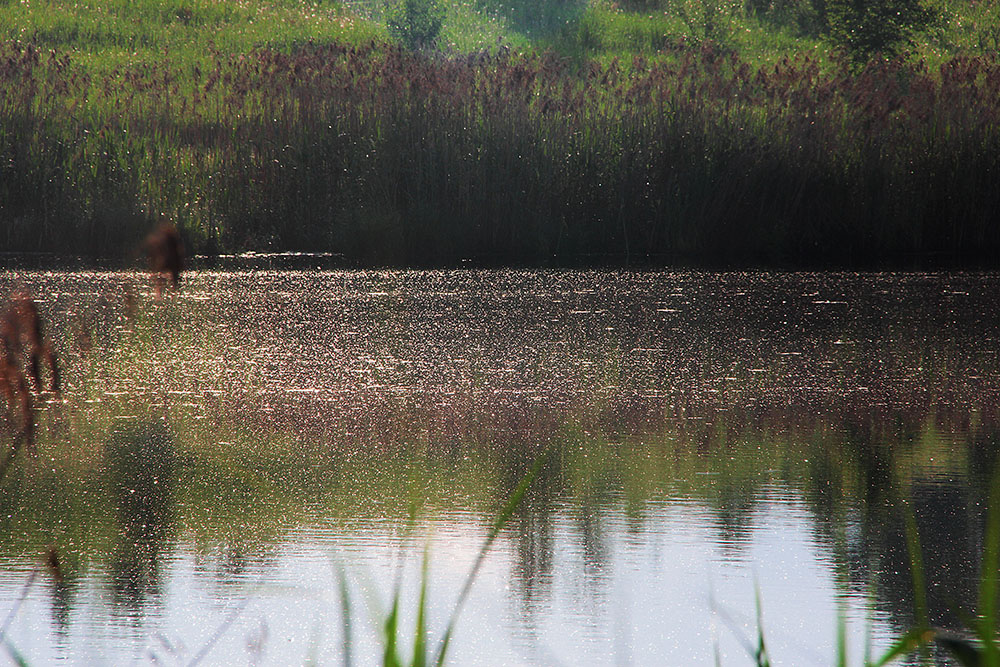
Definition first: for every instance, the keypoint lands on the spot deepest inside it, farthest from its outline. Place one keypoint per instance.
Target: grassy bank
(629, 136)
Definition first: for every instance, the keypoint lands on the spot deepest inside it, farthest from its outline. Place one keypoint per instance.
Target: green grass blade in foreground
(916, 568)
(984, 626)
(905, 645)
(345, 615)
(760, 655)
(15, 655)
(390, 657)
(841, 638)
(505, 514)
(420, 633)
(919, 636)
(988, 583)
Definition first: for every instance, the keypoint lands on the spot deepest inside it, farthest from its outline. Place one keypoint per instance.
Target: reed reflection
(535, 538)
(140, 465)
(319, 405)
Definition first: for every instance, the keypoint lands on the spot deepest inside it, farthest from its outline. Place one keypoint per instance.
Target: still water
(220, 460)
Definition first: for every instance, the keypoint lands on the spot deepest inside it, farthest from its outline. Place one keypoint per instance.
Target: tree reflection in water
(140, 461)
(702, 413)
(865, 528)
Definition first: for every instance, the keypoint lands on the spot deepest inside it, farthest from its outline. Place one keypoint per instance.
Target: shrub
(416, 23)
(864, 28)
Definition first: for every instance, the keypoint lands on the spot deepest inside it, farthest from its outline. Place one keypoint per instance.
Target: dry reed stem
(165, 252)
(23, 349)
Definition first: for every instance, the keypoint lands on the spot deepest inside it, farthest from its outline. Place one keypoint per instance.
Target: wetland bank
(219, 454)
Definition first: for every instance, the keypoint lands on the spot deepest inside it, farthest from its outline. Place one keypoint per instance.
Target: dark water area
(220, 456)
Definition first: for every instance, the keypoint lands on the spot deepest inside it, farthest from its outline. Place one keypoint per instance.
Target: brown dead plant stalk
(165, 253)
(24, 353)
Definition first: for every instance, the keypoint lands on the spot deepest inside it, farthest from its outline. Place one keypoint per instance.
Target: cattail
(22, 336)
(53, 565)
(166, 255)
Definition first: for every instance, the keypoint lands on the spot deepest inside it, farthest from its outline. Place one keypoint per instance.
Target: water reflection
(63, 589)
(705, 430)
(140, 460)
(533, 566)
(865, 529)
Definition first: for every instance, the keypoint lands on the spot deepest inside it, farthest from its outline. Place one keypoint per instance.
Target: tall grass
(982, 647)
(979, 646)
(321, 135)
(399, 158)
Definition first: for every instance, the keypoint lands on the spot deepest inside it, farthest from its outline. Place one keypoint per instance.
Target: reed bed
(400, 158)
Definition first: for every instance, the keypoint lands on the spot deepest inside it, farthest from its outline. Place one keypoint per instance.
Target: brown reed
(395, 157)
(23, 348)
(165, 253)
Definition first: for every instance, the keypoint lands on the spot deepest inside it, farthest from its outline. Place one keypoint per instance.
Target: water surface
(220, 455)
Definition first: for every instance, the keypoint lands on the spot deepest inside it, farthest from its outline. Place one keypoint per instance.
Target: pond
(228, 462)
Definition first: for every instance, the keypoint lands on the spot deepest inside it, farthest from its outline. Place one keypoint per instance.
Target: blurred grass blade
(916, 568)
(219, 632)
(345, 616)
(505, 514)
(760, 655)
(17, 604)
(732, 626)
(390, 658)
(909, 642)
(841, 639)
(15, 655)
(420, 638)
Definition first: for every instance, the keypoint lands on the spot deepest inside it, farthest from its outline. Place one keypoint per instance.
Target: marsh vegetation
(250, 462)
(591, 133)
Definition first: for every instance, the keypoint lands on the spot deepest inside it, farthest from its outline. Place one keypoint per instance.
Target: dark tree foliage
(803, 17)
(865, 28)
(416, 23)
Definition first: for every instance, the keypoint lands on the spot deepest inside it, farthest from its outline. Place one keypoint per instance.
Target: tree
(416, 23)
(865, 28)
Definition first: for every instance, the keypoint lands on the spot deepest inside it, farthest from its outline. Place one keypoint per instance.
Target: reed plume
(165, 252)
(23, 349)
(23, 336)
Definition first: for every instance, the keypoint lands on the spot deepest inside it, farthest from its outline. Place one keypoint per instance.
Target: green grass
(111, 34)
(115, 33)
(424, 653)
